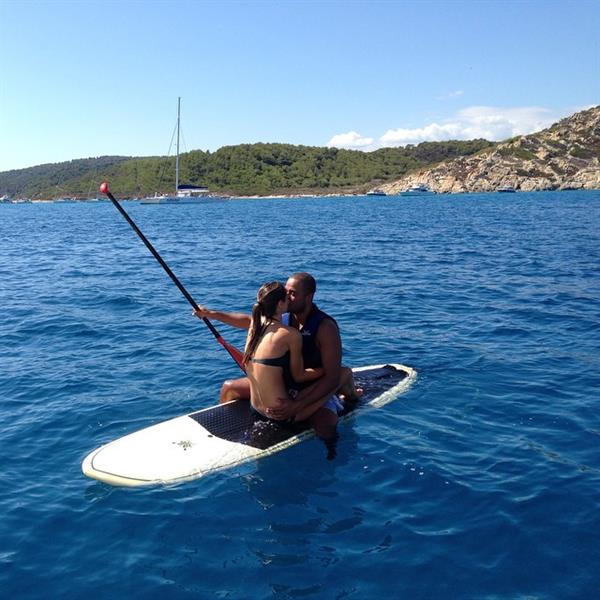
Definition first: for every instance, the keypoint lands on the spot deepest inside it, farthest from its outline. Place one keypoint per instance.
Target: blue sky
(81, 79)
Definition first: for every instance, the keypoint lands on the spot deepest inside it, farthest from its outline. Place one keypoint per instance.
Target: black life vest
(310, 352)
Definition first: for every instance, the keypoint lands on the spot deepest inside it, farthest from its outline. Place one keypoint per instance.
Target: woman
(273, 352)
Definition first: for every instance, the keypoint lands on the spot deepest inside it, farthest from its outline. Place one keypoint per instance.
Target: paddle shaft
(234, 352)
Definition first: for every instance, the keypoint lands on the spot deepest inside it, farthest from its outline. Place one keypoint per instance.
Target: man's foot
(352, 398)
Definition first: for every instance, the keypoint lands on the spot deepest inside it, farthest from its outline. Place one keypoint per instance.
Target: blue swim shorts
(334, 404)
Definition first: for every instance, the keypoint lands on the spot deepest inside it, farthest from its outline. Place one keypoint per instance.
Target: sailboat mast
(177, 159)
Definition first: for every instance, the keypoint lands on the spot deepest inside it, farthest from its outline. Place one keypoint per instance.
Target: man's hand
(202, 312)
(240, 320)
(284, 410)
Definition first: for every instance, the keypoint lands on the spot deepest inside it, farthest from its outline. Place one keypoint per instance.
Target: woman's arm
(299, 373)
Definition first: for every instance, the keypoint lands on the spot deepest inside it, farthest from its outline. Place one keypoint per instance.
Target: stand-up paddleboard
(222, 436)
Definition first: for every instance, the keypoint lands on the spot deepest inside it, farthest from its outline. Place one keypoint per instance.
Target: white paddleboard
(221, 437)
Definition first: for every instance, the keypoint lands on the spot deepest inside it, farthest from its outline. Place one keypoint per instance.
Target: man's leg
(235, 389)
(324, 422)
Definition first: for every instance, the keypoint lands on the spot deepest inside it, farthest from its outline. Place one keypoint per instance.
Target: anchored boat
(417, 189)
(376, 192)
(184, 194)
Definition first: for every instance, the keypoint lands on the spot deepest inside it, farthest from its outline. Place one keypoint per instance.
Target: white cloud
(491, 123)
(352, 139)
(429, 133)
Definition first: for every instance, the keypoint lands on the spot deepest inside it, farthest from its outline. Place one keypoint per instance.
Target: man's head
(301, 288)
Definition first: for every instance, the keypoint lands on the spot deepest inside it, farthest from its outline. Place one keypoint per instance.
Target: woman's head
(268, 298)
(271, 300)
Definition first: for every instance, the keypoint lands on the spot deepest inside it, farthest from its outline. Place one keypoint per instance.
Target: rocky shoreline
(564, 156)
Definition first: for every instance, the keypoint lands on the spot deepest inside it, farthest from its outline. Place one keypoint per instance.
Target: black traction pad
(235, 421)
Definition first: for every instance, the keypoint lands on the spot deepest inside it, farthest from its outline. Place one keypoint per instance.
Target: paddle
(233, 351)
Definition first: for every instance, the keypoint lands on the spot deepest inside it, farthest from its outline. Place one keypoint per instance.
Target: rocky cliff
(564, 156)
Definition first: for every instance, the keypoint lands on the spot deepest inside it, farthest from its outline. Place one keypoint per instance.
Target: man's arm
(240, 320)
(330, 345)
(299, 373)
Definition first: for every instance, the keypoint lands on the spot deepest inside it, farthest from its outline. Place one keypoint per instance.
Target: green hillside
(235, 170)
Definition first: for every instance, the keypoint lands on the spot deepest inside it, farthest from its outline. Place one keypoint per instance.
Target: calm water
(483, 481)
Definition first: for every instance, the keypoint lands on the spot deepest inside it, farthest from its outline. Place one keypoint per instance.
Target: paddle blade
(233, 352)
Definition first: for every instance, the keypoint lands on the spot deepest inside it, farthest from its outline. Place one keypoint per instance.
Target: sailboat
(184, 194)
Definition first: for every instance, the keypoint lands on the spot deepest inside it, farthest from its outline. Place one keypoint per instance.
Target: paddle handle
(233, 351)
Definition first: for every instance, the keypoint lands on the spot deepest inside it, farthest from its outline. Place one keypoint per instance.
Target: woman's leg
(235, 389)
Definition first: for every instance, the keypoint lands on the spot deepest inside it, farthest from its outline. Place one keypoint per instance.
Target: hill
(235, 170)
(48, 180)
(564, 156)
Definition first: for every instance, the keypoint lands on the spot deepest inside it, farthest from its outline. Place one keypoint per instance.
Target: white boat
(376, 192)
(184, 194)
(417, 189)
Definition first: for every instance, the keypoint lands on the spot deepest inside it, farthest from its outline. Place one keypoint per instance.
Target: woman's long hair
(267, 298)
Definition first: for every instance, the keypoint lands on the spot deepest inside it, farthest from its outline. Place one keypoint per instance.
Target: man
(321, 347)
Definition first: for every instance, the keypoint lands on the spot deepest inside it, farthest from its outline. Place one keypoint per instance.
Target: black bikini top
(282, 361)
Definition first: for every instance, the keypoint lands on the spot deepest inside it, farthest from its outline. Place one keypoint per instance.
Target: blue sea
(482, 481)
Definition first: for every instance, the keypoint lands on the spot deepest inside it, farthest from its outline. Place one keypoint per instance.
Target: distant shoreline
(295, 196)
